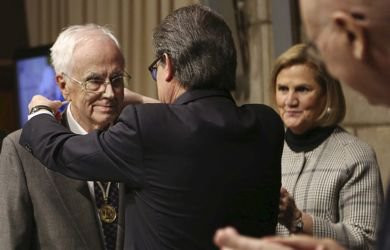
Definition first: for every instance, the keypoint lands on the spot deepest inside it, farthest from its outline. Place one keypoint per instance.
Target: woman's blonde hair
(334, 108)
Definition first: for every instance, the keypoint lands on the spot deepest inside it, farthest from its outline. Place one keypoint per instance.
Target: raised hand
(41, 100)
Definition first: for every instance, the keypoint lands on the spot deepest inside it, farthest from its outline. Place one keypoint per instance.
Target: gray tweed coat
(41, 209)
(339, 184)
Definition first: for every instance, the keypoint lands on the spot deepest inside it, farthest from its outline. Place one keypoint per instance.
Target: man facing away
(353, 38)
(197, 161)
(41, 209)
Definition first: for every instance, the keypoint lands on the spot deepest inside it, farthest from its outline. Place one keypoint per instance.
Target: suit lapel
(78, 204)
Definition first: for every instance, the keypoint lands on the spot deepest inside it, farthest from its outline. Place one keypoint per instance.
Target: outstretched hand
(305, 242)
(229, 239)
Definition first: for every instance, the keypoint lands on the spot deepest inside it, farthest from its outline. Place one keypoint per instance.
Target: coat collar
(76, 196)
(64, 117)
(76, 199)
(196, 94)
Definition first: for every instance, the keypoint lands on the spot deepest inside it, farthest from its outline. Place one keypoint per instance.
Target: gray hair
(201, 47)
(63, 48)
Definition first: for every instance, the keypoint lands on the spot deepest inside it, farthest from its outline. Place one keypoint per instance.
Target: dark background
(14, 36)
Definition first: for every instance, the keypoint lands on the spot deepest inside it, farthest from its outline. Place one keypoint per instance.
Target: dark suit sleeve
(273, 128)
(16, 216)
(112, 155)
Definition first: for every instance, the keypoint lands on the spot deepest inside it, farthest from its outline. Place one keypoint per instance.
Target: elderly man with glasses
(40, 209)
(196, 161)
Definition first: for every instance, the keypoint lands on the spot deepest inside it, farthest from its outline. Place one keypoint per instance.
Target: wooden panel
(75, 12)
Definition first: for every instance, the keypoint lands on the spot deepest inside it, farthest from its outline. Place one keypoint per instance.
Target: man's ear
(62, 85)
(355, 32)
(168, 68)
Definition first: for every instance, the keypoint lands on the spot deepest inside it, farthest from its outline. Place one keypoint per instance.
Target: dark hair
(334, 108)
(201, 47)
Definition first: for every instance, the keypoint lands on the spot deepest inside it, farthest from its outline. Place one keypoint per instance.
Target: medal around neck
(107, 213)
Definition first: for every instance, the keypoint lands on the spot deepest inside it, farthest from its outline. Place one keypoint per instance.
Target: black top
(309, 140)
(196, 165)
(383, 242)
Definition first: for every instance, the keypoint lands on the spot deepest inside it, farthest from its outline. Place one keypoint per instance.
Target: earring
(328, 110)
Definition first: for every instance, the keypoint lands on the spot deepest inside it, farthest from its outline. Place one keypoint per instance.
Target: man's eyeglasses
(95, 83)
(153, 68)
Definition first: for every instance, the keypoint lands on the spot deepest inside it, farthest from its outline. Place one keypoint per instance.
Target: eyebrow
(93, 74)
(302, 84)
(97, 75)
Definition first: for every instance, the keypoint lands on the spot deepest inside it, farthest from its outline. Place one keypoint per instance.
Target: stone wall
(372, 125)
(257, 14)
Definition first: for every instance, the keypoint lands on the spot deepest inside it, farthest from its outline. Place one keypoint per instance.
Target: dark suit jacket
(197, 165)
(41, 209)
(383, 242)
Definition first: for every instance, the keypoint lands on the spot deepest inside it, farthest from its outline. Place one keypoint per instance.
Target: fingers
(224, 237)
(297, 242)
(131, 97)
(41, 100)
(55, 105)
(288, 211)
(284, 203)
(228, 238)
(304, 242)
(284, 198)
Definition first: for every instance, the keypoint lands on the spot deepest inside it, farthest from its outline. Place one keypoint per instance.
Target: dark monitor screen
(34, 75)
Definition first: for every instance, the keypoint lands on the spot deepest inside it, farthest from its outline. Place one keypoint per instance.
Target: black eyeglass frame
(153, 67)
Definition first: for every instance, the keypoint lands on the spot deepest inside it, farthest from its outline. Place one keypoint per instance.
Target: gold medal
(107, 213)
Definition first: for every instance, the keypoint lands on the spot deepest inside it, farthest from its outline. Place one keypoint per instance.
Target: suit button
(28, 148)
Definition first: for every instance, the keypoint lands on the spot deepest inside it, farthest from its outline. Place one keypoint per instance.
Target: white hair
(63, 48)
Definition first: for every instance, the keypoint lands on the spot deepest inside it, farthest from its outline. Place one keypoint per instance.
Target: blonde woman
(331, 181)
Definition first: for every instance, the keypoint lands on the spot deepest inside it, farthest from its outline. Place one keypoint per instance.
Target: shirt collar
(74, 126)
